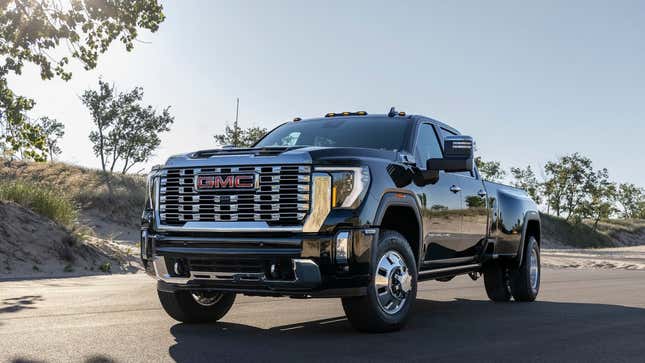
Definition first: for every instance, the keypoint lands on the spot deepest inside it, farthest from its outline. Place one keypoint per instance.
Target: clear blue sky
(529, 80)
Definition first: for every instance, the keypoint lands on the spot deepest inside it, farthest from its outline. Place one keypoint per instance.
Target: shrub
(49, 203)
(106, 267)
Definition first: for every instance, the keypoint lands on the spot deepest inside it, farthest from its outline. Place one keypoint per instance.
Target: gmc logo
(227, 182)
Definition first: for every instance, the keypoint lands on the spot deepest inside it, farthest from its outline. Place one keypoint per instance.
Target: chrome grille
(281, 195)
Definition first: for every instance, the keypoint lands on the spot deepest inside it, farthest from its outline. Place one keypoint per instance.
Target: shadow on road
(15, 304)
(455, 330)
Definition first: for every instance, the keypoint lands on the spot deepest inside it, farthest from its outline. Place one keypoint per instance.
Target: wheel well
(403, 220)
(533, 229)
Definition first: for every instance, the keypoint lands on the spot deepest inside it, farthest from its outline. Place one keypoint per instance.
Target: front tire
(392, 289)
(525, 279)
(196, 307)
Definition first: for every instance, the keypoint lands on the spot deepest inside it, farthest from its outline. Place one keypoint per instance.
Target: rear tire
(391, 291)
(184, 307)
(525, 279)
(496, 281)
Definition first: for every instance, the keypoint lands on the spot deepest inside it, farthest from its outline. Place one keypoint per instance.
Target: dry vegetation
(84, 187)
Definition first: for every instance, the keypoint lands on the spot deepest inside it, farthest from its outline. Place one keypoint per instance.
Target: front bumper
(245, 263)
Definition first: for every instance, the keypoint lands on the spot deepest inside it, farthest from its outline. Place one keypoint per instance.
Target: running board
(448, 271)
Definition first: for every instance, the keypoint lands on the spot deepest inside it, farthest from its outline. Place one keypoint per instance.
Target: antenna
(392, 112)
(237, 109)
(236, 127)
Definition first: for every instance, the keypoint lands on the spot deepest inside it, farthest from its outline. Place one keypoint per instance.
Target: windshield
(367, 132)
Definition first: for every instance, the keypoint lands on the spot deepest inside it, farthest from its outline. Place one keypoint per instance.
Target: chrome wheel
(534, 269)
(392, 282)
(207, 298)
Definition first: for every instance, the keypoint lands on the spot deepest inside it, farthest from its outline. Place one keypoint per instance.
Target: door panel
(440, 207)
(442, 218)
(474, 215)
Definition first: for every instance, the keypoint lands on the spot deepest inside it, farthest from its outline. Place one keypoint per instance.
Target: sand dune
(630, 258)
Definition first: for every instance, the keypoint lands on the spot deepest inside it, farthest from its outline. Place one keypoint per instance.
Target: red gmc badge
(225, 182)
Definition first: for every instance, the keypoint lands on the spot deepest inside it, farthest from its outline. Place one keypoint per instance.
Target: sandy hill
(33, 245)
(558, 233)
(101, 231)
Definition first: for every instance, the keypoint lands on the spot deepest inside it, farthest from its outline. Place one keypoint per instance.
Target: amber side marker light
(333, 197)
(345, 113)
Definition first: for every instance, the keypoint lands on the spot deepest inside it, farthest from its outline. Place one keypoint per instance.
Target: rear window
(366, 132)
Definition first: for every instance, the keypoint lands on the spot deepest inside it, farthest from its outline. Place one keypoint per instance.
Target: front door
(440, 204)
(474, 211)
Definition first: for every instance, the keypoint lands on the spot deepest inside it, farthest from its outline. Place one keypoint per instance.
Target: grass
(42, 200)
(84, 187)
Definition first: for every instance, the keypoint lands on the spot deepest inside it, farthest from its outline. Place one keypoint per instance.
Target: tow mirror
(457, 155)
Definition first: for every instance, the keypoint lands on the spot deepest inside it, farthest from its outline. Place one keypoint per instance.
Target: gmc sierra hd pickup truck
(356, 206)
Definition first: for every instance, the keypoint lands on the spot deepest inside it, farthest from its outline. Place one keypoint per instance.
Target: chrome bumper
(306, 272)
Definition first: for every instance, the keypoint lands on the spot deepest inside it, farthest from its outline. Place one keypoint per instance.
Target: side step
(448, 271)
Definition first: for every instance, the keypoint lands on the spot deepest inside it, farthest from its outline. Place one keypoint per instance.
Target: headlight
(349, 185)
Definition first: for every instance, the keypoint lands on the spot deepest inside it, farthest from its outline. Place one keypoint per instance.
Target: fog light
(342, 247)
(179, 269)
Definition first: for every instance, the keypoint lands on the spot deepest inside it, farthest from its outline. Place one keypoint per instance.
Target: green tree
(526, 179)
(601, 196)
(53, 131)
(127, 132)
(641, 210)
(490, 170)
(631, 199)
(21, 137)
(567, 184)
(239, 137)
(47, 33)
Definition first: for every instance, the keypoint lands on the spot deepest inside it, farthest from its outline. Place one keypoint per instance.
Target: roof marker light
(346, 113)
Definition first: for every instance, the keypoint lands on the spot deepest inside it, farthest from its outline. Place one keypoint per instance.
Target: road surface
(581, 315)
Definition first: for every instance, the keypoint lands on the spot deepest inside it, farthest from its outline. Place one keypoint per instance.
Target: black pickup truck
(349, 205)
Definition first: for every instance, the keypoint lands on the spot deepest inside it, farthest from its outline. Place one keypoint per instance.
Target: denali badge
(225, 182)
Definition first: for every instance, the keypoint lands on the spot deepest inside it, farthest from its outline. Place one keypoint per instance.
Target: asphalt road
(591, 315)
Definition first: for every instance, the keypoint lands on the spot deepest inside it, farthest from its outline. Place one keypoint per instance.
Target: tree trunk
(102, 152)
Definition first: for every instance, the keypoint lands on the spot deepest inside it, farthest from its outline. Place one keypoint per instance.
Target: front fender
(396, 198)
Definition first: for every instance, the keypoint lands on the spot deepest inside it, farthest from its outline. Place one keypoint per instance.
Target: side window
(445, 133)
(427, 145)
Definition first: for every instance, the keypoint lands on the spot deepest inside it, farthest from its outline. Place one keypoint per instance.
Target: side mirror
(457, 155)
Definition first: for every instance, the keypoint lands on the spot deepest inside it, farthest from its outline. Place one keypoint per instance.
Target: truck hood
(277, 156)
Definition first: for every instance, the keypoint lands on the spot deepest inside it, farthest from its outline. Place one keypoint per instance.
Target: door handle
(455, 189)
(482, 193)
